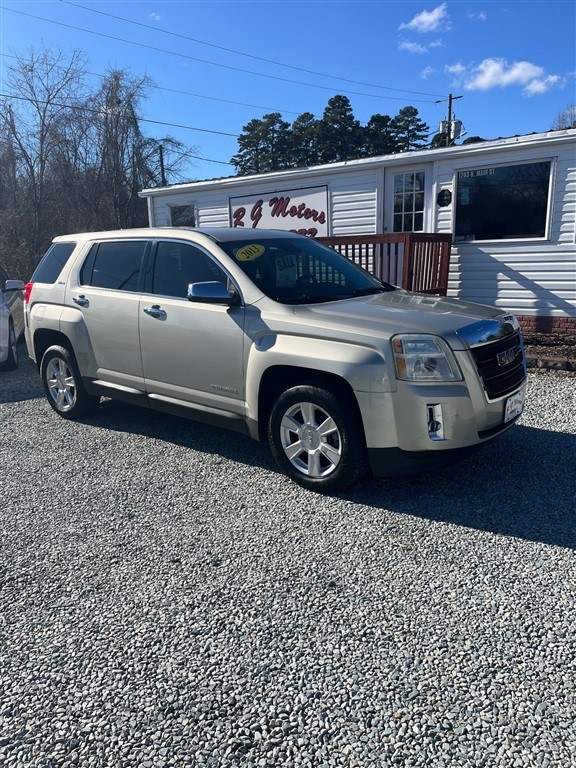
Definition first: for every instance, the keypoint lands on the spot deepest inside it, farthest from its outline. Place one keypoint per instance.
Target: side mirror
(212, 292)
(14, 285)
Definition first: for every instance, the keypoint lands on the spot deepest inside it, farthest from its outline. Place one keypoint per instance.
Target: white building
(509, 204)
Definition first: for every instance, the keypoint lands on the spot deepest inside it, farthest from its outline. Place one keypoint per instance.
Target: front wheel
(317, 439)
(63, 384)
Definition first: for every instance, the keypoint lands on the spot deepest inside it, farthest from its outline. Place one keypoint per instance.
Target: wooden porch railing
(414, 260)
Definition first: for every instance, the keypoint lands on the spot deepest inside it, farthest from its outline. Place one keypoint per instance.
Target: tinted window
(182, 216)
(502, 202)
(114, 265)
(178, 264)
(52, 263)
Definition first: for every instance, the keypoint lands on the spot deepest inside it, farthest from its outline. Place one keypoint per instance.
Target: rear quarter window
(52, 263)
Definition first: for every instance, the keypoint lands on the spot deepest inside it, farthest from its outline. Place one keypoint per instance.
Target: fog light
(435, 422)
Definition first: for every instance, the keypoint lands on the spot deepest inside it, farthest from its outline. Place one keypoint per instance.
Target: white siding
(354, 203)
(528, 281)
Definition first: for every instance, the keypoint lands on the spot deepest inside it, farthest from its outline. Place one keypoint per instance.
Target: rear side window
(52, 263)
(116, 265)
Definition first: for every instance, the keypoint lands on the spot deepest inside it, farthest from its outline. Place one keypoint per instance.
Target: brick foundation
(531, 324)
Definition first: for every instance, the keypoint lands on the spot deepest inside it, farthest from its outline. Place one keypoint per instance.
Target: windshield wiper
(368, 291)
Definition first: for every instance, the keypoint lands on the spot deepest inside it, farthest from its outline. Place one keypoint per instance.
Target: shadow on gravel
(132, 419)
(521, 485)
(23, 383)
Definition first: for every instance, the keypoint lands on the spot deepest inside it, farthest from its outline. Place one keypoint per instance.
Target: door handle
(81, 300)
(155, 311)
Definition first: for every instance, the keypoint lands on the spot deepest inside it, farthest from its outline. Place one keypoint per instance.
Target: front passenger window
(178, 264)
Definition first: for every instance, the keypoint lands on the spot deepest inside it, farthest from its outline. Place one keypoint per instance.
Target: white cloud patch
(537, 87)
(154, 16)
(429, 21)
(456, 70)
(427, 73)
(481, 16)
(498, 73)
(406, 45)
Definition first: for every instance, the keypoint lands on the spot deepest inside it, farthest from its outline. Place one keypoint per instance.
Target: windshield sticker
(250, 252)
(286, 271)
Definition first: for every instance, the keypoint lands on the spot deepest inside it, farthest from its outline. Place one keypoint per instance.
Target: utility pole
(449, 123)
(162, 173)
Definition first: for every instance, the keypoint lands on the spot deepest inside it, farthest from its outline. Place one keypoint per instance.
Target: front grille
(501, 365)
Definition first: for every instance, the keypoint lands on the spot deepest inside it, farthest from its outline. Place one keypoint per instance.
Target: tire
(63, 384)
(11, 362)
(317, 440)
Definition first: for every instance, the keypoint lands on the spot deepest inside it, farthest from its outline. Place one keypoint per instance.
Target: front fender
(363, 367)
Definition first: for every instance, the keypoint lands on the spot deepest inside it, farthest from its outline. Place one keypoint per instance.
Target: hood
(401, 312)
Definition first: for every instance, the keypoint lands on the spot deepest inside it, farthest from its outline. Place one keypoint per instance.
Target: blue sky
(513, 63)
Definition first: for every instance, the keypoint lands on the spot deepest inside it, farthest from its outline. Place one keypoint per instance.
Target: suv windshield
(300, 270)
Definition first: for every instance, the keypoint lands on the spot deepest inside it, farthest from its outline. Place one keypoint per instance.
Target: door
(191, 352)
(107, 294)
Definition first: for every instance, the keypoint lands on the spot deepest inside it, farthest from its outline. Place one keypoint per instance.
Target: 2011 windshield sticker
(250, 252)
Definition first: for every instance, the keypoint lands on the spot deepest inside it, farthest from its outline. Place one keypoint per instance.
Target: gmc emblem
(506, 357)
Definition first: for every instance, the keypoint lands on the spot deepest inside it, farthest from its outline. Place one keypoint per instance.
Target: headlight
(424, 358)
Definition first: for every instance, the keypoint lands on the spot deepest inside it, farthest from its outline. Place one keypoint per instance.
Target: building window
(182, 216)
(503, 202)
(409, 202)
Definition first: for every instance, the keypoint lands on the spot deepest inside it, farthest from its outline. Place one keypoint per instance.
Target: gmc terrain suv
(273, 334)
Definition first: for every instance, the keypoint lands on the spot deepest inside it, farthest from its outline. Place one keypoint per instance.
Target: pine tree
(410, 132)
(340, 135)
(264, 145)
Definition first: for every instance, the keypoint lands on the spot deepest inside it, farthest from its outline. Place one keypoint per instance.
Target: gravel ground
(168, 599)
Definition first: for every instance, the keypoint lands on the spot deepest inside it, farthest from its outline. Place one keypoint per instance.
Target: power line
(187, 93)
(140, 119)
(205, 61)
(242, 53)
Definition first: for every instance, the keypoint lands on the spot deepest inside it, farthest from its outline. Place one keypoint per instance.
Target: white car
(11, 320)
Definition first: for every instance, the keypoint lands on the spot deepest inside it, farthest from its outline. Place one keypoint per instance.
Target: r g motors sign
(304, 211)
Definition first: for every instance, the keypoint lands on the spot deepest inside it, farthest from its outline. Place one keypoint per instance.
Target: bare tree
(71, 160)
(42, 89)
(565, 119)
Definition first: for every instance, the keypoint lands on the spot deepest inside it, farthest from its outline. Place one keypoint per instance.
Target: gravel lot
(169, 599)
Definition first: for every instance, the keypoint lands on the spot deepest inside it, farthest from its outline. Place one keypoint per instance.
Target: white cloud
(436, 44)
(429, 21)
(405, 45)
(427, 73)
(154, 16)
(456, 70)
(481, 16)
(537, 87)
(498, 73)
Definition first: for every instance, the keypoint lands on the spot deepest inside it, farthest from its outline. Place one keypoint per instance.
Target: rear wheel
(316, 439)
(63, 384)
(11, 362)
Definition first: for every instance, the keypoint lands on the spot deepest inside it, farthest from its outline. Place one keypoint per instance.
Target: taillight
(27, 292)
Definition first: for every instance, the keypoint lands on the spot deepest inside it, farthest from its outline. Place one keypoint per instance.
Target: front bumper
(401, 439)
